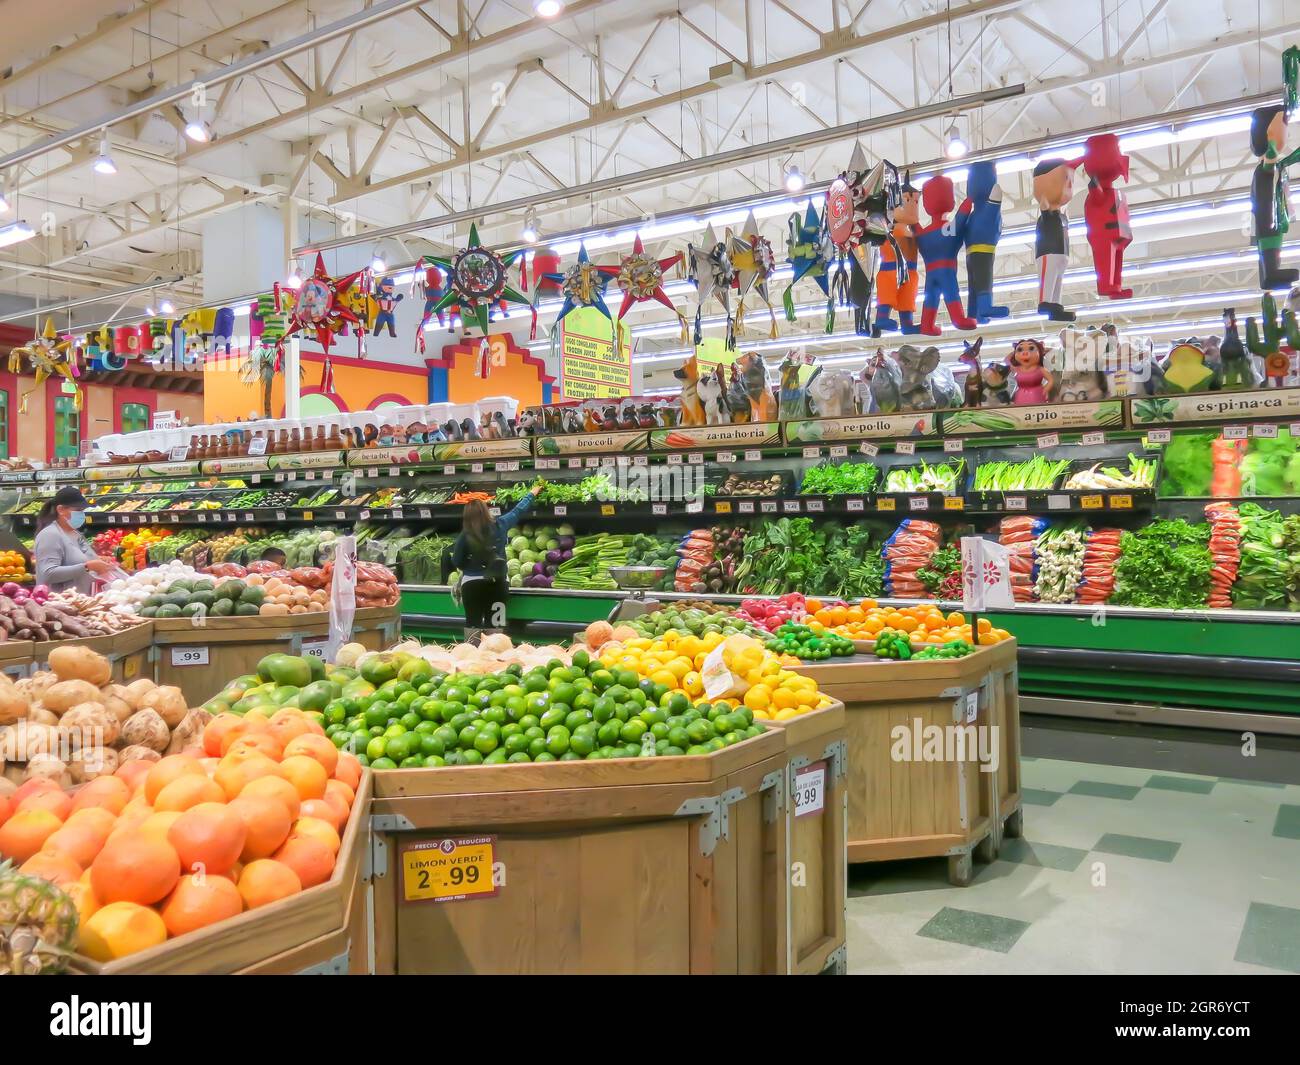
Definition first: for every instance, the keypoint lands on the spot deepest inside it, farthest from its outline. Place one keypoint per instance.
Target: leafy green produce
(1188, 466)
(943, 565)
(1266, 579)
(846, 478)
(1036, 475)
(941, 477)
(1166, 564)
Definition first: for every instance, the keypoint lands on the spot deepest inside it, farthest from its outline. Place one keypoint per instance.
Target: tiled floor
(1121, 870)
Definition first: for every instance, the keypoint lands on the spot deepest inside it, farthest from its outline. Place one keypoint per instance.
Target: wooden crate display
(655, 865)
(376, 627)
(315, 928)
(816, 813)
(202, 659)
(16, 657)
(927, 802)
(127, 651)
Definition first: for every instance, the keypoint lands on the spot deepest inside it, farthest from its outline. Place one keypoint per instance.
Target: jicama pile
(1036, 475)
(941, 477)
(1060, 552)
(1141, 474)
(493, 654)
(1019, 534)
(1225, 552)
(1165, 564)
(908, 551)
(1099, 560)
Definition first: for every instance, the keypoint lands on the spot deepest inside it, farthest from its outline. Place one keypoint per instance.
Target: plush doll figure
(1028, 363)
(386, 299)
(1269, 195)
(938, 243)
(897, 282)
(983, 208)
(1106, 212)
(1053, 187)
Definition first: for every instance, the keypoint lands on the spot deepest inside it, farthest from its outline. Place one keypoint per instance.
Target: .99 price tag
(448, 870)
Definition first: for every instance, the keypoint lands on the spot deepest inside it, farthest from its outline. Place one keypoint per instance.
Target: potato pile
(69, 724)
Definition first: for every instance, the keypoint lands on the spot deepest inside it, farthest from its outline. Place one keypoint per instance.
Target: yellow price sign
(954, 503)
(1090, 502)
(723, 507)
(1121, 502)
(448, 870)
(306, 515)
(607, 510)
(885, 503)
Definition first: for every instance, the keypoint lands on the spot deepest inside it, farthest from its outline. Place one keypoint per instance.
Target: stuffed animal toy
(737, 399)
(880, 385)
(692, 410)
(983, 210)
(973, 389)
(712, 390)
(1053, 188)
(1105, 211)
(926, 385)
(938, 243)
(997, 391)
(1028, 364)
(833, 394)
(793, 396)
(758, 387)
(897, 282)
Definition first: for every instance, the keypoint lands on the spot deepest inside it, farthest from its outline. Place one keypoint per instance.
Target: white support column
(292, 380)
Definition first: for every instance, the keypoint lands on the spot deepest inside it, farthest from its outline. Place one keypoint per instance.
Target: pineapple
(38, 924)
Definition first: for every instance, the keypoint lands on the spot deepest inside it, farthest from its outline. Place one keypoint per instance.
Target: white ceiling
(376, 124)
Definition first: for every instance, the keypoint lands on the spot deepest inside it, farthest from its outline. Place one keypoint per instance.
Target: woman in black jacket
(480, 554)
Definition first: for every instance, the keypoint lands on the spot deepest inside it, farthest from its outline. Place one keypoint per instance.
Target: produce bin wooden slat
(913, 807)
(656, 865)
(813, 935)
(16, 657)
(376, 627)
(1004, 703)
(234, 646)
(279, 933)
(127, 651)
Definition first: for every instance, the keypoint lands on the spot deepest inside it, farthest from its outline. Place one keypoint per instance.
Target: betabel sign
(590, 366)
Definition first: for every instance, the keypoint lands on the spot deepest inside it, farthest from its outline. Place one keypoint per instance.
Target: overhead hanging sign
(590, 365)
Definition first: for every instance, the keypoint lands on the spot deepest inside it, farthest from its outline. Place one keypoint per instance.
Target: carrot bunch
(1225, 552)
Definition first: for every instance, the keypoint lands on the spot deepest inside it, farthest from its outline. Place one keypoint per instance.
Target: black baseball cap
(70, 496)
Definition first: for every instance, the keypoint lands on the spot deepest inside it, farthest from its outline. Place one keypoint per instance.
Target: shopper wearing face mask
(64, 561)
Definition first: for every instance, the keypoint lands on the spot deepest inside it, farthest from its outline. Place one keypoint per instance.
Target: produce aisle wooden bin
(655, 865)
(128, 651)
(376, 627)
(201, 659)
(919, 804)
(16, 657)
(320, 930)
(816, 813)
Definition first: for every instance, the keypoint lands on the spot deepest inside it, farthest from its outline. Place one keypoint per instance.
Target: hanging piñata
(710, 270)
(476, 279)
(641, 278)
(810, 251)
(754, 262)
(582, 285)
(50, 355)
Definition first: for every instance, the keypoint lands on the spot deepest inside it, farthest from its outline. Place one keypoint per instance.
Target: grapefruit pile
(163, 848)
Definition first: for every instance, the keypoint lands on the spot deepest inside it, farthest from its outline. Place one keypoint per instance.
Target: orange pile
(925, 622)
(162, 848)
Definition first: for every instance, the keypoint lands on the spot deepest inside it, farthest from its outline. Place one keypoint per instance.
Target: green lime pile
(300, 681)
(803, 642)
(415, 717)
(227, 598)
(890, 643)
(951, 649)
(696, 620)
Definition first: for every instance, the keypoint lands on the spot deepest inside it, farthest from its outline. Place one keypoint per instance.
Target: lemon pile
(763, 683)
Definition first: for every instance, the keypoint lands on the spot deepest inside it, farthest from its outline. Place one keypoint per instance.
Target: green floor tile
(983, 930)
(1287, 825)
(1045, 855)
(1251, 783)
(1155, 850)
(1100, 789)
(1039, 797)
(1271, 937)
(1189, 784)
